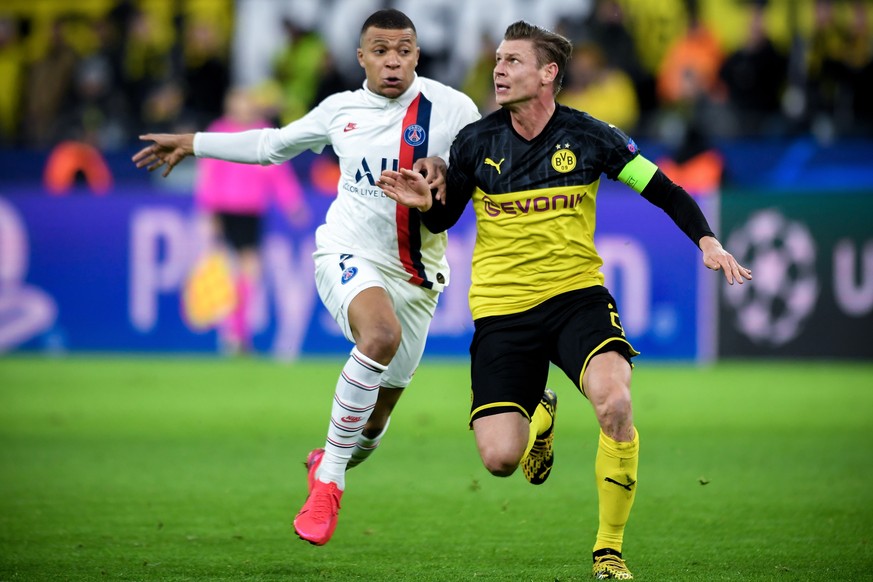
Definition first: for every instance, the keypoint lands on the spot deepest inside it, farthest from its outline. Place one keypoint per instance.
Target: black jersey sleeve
(460, 184)
(679, 205)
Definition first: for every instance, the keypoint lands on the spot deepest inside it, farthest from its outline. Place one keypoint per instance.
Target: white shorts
(339, 279)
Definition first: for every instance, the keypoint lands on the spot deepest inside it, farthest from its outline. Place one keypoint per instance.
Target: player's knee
(499, 462)
(615, 409)
(380, 342)
(500, 468)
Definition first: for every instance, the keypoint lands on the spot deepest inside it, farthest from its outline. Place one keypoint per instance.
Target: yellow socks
(539, 424)
(615, 469)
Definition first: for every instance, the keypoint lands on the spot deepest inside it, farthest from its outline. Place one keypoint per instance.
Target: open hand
(406, 187)
(167, 149)
(715, 257)
(433, 169)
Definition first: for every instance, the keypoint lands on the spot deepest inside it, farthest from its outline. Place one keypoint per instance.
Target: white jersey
(370, 133)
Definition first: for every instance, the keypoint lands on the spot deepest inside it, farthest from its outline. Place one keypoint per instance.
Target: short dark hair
(550, 47)
(389, 19)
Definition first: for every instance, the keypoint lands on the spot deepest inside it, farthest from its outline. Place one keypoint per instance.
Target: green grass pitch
(191, 469)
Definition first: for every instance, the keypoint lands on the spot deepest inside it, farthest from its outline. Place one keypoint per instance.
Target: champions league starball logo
(770, 309)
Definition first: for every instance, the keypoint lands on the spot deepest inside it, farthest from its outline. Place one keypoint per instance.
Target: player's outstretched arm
(406, 187)
(715, 257)
(166, 149)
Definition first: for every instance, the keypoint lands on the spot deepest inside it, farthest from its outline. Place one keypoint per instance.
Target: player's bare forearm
(406, 187)
(166, 149)
(715, 257)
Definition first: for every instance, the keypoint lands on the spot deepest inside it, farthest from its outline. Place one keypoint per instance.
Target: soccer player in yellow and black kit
(532, 170)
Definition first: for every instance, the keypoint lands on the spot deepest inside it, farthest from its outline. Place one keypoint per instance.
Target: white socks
(356, 393)
(365, 447)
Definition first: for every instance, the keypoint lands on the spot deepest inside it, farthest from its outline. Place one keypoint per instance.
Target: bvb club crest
(563, 160)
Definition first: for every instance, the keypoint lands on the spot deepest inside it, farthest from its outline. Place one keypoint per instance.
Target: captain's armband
(637, 173)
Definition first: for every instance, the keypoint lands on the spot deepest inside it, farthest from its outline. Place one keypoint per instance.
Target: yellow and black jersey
(535, 204)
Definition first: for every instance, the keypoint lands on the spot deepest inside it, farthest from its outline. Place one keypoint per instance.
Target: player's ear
(361, 57)
(550, 74)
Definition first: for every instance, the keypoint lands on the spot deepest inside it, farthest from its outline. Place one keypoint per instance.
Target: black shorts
(241, 231)
(510, 354)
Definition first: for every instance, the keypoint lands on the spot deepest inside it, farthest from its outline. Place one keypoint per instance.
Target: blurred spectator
(603, 91)
(479, 81)
(109, 34)
(691, 111)
(332, 80)
(235, 198)
(654, 27)
(164, 108)
(435, 28)
(755, 76)
(97, 112)
(48, 85)
(146, 59)
(691, 63)
(839, 56)
(12, 73)
(606, 28)
(298, 69)
(861, 64)
(694, 163)
(205, 70)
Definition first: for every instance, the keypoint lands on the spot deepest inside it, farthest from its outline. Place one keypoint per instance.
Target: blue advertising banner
(105, 274)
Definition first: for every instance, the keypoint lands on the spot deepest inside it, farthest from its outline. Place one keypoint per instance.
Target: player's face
(517, 77)
(389, 58)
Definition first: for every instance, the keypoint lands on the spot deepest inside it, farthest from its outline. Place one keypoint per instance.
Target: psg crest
(348, 274)
(414, 135)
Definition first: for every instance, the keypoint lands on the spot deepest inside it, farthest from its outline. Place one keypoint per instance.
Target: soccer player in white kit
(378, 270)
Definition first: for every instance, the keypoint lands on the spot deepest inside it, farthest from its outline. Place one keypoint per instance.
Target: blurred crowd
(681, 71)
(99, 72)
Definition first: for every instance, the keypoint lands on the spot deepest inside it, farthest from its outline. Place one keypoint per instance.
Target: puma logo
(628, 486)
(490, 162)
